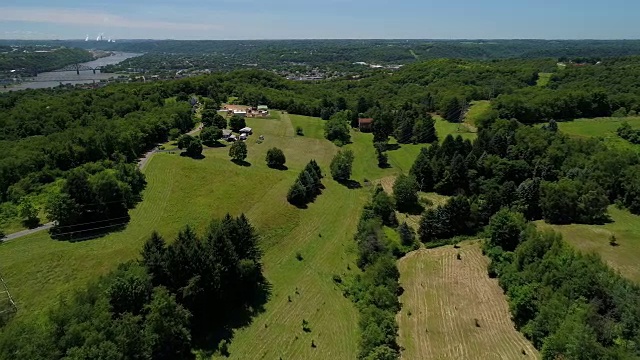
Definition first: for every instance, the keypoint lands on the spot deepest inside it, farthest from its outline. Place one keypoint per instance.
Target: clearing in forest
(451, 309)
(478, 110)
(604, 128)
(595, 238)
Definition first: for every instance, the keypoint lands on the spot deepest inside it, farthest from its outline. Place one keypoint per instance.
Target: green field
(38, 270)
(543, 79)
(443, 128)
(604, 128)
(595, 238)
(478, 109)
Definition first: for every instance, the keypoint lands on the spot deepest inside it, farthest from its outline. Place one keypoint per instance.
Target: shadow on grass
(31, 223)
(350, 184)
(194, 156)
(413, 209)
(392, 147)
(210, 330)
(279, 167)
(215, 144)
(241, 163)
(88, 231)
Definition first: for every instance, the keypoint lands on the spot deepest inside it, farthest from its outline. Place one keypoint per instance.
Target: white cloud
(88, 18)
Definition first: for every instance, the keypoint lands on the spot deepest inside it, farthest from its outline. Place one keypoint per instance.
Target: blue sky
(303, 19)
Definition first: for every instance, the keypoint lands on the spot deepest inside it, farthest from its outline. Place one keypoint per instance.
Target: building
(246, 130)
(263, 108)
(226, 133)
(365, 124)
(240, 113)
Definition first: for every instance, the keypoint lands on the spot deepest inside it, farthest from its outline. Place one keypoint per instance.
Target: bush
(299, 131)
(238, 151)
(275, 158)
(341, 165)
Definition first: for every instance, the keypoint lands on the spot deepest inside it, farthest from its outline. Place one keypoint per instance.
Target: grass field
(595, 238)
(478, 108)
(38, 270)
(543, 79)
(443, 128)
(443, 297)
(601, 127)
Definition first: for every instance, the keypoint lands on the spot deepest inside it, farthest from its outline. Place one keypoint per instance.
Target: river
(54, 78)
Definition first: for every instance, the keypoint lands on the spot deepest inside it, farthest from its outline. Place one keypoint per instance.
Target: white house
(240, 113)
(246, 130)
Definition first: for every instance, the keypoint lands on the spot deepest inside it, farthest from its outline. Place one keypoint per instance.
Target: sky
(320, 19)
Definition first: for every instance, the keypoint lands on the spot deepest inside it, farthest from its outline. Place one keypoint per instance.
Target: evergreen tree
(154, 253)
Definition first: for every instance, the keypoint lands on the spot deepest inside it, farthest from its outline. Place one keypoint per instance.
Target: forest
(32, 60)
(186, 295)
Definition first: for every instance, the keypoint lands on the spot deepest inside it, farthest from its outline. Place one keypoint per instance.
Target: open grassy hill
(181, 190)
(604, 128)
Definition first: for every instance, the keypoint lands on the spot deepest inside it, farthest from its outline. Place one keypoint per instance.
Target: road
(141, 164)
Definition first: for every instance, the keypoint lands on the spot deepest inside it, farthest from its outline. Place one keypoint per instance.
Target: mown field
(604, 128)
(595, 238)
(181, 190)
(451, 309)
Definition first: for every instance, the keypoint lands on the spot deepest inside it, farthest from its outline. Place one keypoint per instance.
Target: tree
(167, 327)
(341, 165)
(194, 148)
(184, 141)
(405, 192)
(236, 123)
(505, 228)
(452, 109)
(238, 151)
(28, 213)
(407, 235)
(210, 135)
(154, 252)
(297, 194)
(422, 171)
(210, 117)
(424, 131)
(336, 129)
(174, 134)
(275, 158)
(382, 206)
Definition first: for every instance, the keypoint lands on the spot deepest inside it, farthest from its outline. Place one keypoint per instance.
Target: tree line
(537, 170)
(178, 298)
(569, 304)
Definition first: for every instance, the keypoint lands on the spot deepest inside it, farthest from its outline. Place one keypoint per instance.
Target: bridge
(78, 67)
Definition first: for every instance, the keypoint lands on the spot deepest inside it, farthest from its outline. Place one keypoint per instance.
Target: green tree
(336, 129)
(184, 141)
(29, 213)
(505, 229)
(154, 253)
(405, 192)
(129, 289)
(341, 165)
(407, 235)
(174, 134)
(210, 135)
(382, 205)
(194, 149)
(452, 109)
(166, 327)
(238, 151)
(424, 131)
(297, 194)
(236, 123)
(275, 158)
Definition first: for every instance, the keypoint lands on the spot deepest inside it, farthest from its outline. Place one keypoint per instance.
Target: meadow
(181, 190)
(604, 128)
(453, 310)
(595, 238)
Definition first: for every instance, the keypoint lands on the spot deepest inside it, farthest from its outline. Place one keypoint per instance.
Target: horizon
(332, 19)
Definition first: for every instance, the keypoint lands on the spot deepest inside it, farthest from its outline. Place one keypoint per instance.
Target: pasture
(604, 128)
(595, 238)
(453, 310)
(543, 79)
(181, 190)
(477, 110)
